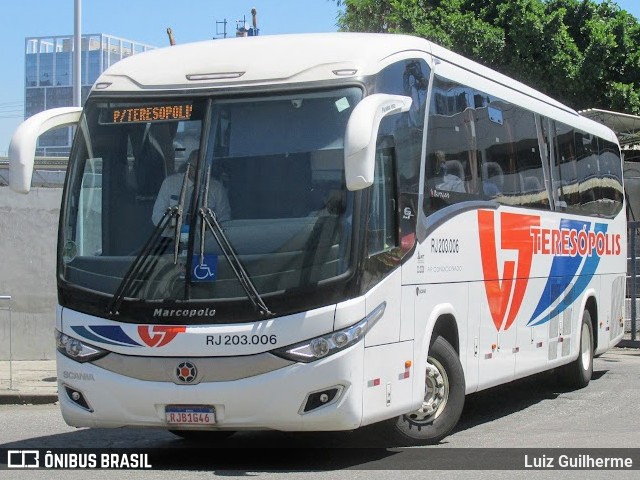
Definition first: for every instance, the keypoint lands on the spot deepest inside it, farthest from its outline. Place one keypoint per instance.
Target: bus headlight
(76, 349)
(320, 347)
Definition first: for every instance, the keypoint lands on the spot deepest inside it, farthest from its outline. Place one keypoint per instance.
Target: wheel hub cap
(435, 395)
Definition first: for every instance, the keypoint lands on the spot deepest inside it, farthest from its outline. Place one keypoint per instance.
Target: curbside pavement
(24, 382)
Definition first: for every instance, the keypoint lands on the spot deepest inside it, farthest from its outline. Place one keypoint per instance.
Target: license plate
(190, 415)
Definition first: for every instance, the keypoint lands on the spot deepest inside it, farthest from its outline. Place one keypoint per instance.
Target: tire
(443, 403)
(204, 436)
(578, 373)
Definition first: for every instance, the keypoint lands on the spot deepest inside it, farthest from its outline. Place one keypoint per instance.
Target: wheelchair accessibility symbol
(205, 271)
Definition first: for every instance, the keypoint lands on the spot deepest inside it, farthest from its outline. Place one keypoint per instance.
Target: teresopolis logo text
(576, 247)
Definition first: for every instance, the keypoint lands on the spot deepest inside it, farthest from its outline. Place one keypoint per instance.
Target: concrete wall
(28, 238)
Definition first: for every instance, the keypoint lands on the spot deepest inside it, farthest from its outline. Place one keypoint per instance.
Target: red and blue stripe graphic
(109, 334)
(150, 335)
(564, 270)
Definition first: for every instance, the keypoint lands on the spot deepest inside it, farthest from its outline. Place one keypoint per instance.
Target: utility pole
(254, 14)
(172, 40)
(77, 54)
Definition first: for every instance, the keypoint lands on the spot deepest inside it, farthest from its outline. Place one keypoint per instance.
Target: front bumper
(271, 400)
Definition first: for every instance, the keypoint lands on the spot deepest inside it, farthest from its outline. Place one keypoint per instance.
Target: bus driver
(169, 193)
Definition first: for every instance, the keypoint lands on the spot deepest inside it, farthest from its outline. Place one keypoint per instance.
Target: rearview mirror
(361, 135)
(22, 149)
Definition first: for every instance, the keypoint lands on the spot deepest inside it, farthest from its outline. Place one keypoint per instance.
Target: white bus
(404, 227)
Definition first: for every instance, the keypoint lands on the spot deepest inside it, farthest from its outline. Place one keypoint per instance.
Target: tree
(581, 52)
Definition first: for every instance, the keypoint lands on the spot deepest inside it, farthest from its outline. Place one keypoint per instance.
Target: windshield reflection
(275, 177)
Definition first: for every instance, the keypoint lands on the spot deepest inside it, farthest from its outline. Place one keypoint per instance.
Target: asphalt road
(528, 414)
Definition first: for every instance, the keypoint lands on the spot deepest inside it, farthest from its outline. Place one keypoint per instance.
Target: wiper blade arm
(136, 266)
(205, 202)
(179, 209)
(209, 219)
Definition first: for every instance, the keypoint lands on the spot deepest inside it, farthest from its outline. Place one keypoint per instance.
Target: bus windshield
(144, 174)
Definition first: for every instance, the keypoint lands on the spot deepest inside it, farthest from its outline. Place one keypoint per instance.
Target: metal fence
(48, 172)
(632, 304)
(5, 316)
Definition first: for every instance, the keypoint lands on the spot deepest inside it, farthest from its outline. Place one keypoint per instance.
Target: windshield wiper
(209, 219)
(178, 213)
(136, 267)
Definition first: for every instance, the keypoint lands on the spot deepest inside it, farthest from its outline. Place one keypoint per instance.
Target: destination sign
(148, 113)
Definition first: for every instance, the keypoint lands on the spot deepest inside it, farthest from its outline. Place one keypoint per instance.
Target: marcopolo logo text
(184, 312)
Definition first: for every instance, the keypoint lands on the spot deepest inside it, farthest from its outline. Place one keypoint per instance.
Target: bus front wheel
(443, 400)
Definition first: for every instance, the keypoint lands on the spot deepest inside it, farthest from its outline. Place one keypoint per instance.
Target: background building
(49, 76)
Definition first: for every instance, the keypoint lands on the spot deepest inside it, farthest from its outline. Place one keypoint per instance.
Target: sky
(146, 21)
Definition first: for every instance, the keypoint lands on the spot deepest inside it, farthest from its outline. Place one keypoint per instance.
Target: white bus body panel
(539, 328)
(387, 329)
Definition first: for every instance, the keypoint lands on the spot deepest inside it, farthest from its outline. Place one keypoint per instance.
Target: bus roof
(256, 61)
(291, 59)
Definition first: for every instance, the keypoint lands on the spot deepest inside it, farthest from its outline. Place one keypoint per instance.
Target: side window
(576, 170)
(89, 220)
(402, 135)
(589, 173)
(610, 170)
(451, 163)
(511, 165)
(529, 161)
(409, 78)
(382, 230)
(566, 170)
(481, 147)
(587, 166)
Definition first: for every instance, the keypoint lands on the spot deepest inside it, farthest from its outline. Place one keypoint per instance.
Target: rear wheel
(578, 373)
(443, 400)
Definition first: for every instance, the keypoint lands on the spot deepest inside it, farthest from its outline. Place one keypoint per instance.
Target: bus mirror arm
(361, 135)
(22, 148)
